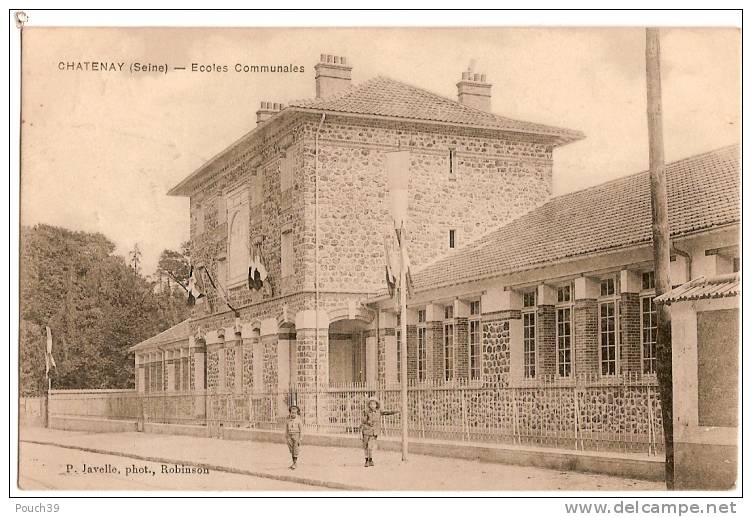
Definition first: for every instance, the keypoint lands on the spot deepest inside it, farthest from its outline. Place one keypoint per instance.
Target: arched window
(237, 239)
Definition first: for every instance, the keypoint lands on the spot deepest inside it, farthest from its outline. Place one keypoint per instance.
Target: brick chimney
(474, 91)
(332, 75)
(267, 111)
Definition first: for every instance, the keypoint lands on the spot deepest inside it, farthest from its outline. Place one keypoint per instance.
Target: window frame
(565, 305)
(237, 208)
(449, 346)
(603, 301)
(474, 349)
(286, 256)
(421, 353)
(648, 293)
(529, 356)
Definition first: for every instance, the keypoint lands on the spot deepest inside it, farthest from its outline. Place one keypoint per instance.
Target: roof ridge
(646, 171)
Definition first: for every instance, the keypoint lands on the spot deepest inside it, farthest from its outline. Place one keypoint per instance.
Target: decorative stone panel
(496, 354)
(212, 370)
(229, 368)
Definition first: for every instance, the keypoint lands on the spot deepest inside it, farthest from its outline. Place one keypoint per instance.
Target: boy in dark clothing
(371, 428)
(293, 433)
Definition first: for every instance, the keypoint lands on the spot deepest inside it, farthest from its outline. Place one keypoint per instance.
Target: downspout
(316, 260)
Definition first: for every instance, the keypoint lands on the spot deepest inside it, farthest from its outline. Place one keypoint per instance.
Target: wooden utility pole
(403, 342)
(661, 242)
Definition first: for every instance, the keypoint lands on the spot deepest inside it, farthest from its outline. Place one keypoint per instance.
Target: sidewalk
(331, 467)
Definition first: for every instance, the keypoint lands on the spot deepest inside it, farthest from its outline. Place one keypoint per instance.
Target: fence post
(465, 426)
(515, 424)
(651, 433)
(576, 397)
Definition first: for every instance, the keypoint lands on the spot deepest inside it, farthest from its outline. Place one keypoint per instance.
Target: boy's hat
(294, 407)
(374, 399)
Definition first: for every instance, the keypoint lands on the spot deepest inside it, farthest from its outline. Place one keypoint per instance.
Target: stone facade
(496, 354)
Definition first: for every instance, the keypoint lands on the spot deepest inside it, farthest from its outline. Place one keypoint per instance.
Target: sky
(100, 150)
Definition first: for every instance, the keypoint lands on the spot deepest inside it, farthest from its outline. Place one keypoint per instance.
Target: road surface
(46, 467)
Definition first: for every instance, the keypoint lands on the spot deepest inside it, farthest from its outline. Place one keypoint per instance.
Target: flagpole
(403, 341)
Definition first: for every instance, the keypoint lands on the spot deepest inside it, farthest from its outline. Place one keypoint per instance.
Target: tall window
(286, 171)
(452, 239)
(649, 331)
(287, 254)
(421, 353)
(452, 164)
(474, 337)
(607, 327)
(648, 324)
(238, 239)
(449, 343)
(564, 331)
(528, 334)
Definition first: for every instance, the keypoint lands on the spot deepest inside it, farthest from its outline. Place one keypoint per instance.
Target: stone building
(307, 187)
(513, 289)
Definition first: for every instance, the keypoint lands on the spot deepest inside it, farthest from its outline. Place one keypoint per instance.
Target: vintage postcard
(379, 259)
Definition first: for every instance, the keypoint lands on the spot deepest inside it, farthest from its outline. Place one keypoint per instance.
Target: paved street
(45, 467)
(322, 467)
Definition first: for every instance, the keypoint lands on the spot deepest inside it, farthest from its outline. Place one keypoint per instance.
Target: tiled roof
(179, 332)
(382, 96)
(722, 286)
(703, 192)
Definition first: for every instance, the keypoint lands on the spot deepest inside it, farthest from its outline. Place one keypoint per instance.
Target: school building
(532, 317)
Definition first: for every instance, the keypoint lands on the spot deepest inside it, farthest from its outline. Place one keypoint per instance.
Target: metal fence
(589, 413)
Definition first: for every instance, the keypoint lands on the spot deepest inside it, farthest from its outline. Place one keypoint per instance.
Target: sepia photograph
(379, 259)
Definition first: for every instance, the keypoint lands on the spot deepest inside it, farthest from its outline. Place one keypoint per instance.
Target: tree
(135, 256)
(96, 304)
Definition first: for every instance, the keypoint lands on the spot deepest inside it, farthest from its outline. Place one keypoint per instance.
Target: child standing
(371, 428)
(293, 433)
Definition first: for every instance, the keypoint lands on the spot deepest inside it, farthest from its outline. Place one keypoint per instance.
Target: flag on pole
(405, 260)
(392, 274)
(393, 264)
(194, 293)
(48, 359)
(257, 272)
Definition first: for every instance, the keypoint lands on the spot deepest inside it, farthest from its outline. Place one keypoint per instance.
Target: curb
(219, 468)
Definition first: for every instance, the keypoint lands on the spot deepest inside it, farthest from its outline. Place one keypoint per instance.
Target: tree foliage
(94, 304)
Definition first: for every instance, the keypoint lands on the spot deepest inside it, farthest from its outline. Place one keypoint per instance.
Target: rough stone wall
(191, 373)
(381, 354)
(496, 354)
(546, 341)
(278, 211)
(586, 337)
(462, 349)
(497, 179)
(630, 331)
(247, 365)
(212, 370)
(229, 368)
(270, 362)
(307, 350)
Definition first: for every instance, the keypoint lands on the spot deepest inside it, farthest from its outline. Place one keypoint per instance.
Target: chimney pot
(474, 91)
(333, 74)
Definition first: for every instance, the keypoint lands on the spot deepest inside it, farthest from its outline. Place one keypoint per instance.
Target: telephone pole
(661, 242)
